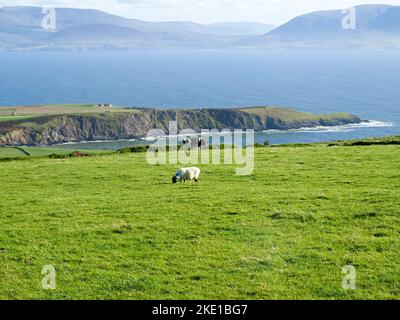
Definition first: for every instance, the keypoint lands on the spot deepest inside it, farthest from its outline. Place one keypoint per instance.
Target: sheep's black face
(174, 179)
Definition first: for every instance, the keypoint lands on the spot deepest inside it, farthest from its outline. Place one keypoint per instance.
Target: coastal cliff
(135, 123)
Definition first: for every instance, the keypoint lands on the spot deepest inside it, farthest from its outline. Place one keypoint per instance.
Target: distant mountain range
(20, 28)
(376, 26)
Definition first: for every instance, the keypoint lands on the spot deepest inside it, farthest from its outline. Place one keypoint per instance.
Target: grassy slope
(37, 111)
(65, 109)
(14, 118)
(290, 114)
(11, 152)
(115, 227)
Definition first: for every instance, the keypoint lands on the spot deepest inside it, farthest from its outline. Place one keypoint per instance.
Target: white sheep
(186, 174)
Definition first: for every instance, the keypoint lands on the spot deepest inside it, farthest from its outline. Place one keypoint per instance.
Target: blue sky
(204, 11)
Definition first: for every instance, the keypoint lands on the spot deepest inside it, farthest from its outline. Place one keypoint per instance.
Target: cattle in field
(193, 144)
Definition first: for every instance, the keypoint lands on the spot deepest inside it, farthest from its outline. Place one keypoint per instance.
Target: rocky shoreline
(56, 129)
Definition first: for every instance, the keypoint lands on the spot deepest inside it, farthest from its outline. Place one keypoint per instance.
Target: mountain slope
(376, 26)
(66, 17)
(388, 22)
(104, 35)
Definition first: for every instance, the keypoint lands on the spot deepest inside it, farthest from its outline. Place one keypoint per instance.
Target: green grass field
(14, 118)
(31, 112)
(115, 227)
(288, 114)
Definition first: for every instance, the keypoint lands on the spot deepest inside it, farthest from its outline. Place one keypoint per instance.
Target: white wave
(336, 129)
(371, 124)
(98, 141)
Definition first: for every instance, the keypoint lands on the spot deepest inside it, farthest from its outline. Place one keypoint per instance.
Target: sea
(362, 82)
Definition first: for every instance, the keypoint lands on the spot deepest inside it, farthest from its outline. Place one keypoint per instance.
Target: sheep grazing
(186, 174)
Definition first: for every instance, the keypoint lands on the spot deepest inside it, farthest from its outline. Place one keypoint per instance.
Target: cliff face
(48, 130)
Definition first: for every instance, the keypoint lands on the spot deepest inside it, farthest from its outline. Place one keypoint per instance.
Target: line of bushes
(75, 154)
(372, 142)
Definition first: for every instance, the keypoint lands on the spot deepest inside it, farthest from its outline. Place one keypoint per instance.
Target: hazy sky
(204, 11)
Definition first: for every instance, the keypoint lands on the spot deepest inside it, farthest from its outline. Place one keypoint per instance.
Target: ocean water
(363, 82)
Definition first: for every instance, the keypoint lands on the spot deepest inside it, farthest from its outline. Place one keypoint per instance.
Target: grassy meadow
(115, 227)
(22, 112)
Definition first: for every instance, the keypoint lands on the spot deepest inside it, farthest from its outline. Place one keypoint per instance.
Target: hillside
(377, 26)
(50, 125)
(284, 232)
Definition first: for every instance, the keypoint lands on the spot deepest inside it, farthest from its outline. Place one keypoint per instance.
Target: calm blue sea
(366, 83)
